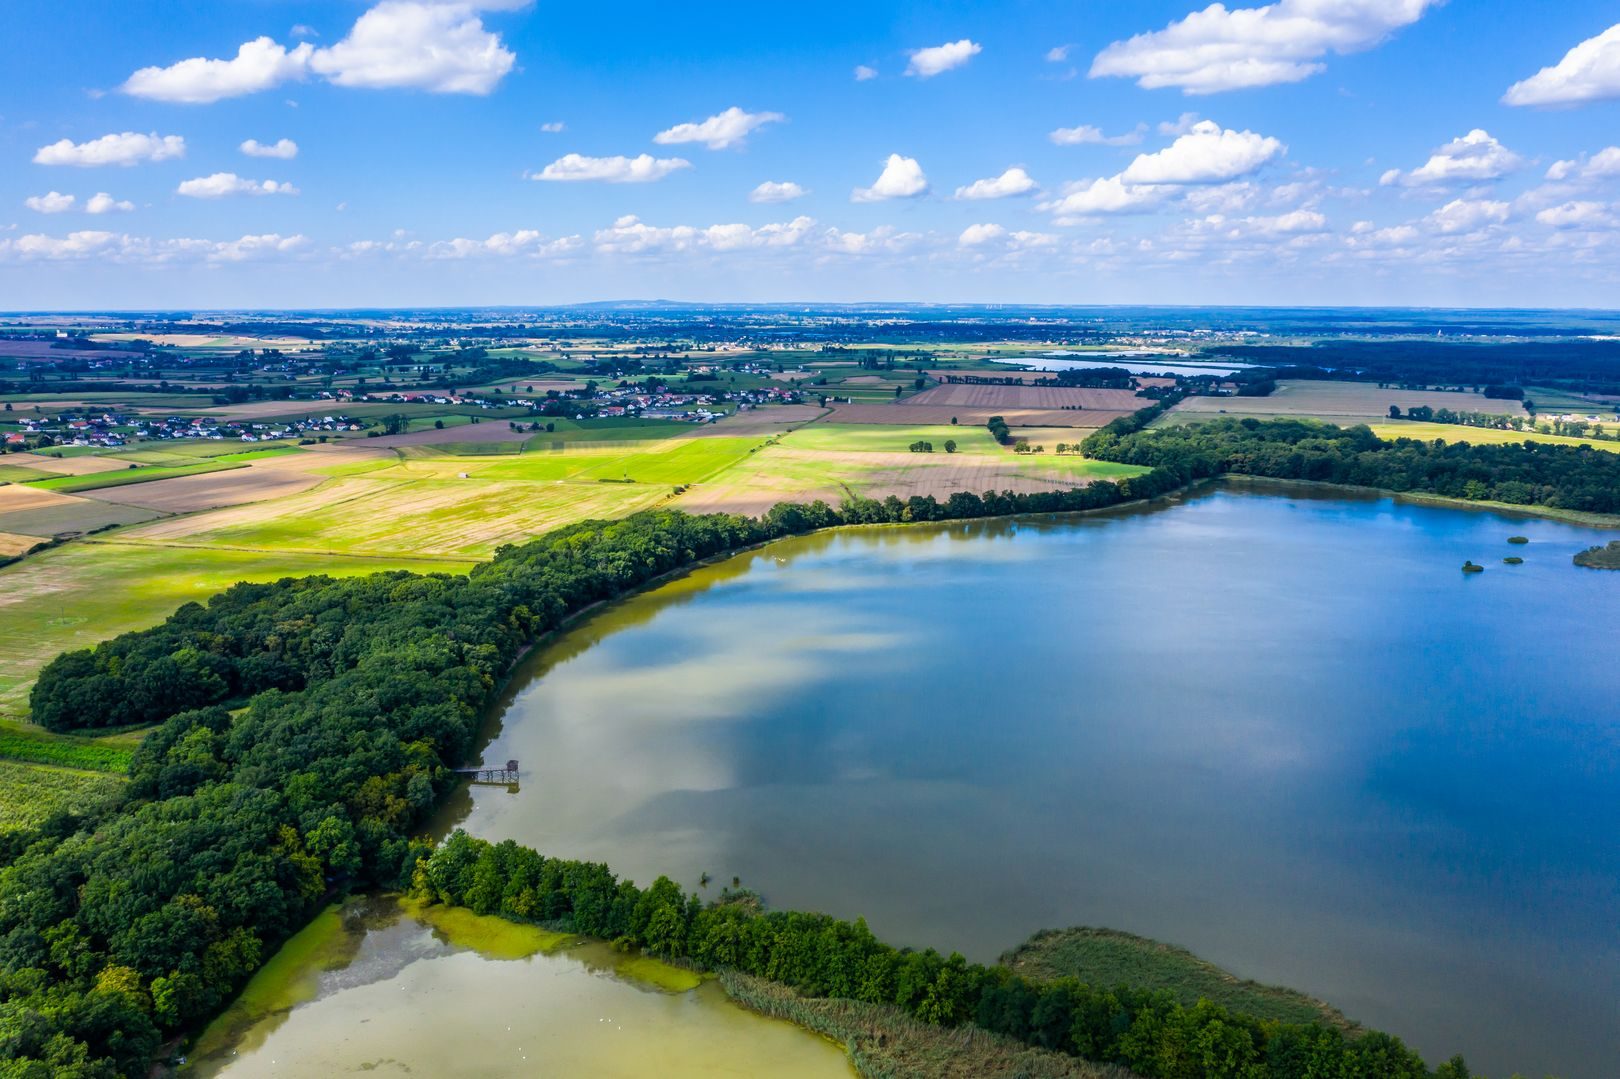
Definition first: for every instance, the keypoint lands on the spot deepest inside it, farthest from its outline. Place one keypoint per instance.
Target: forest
(306, 729)
(1555, 476)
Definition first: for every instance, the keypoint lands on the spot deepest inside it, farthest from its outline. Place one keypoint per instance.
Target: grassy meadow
(1106, 957)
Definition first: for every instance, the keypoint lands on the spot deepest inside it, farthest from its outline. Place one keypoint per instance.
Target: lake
(1280, 729)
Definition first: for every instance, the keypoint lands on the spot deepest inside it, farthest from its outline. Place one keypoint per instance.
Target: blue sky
(1309, 151)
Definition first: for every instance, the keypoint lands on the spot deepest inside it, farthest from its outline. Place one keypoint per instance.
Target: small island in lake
(1600, 557)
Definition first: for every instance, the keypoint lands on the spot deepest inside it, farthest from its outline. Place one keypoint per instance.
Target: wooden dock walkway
(485, 773)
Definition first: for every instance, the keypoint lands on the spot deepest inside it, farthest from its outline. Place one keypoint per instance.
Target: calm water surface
(1281, 730)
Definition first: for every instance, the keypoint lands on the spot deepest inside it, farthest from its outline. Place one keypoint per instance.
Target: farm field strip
(906, 414)
(829, 437)
(132, 475)
(1028, 397)
(31, 512)
(1453, 432)
(1346, 399)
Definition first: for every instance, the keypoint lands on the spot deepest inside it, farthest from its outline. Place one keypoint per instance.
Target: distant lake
(1129, 361)
(1282, 730)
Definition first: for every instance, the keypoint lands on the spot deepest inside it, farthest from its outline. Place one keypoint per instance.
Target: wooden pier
(485, 773)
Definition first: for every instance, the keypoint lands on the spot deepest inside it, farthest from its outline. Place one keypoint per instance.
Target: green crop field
(29, 794)
(34, 746)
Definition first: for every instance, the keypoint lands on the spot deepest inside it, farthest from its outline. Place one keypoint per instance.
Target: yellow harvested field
(15, 497)
(66, 466)
(1451, 432)
(934, 415)
(436, 517)
(1050, 436)
(12, 544)
(1028, 397)
(1350, 400)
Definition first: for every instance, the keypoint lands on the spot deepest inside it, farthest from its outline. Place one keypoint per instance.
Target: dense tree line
(1147, 1031)
(1523, 474)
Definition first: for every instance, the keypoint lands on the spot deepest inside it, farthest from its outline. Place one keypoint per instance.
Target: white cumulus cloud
(1109, 195)
(554, 127)
(1467, 215)
(642, 169)
(443, 48)
(285, 149)
(902, 178)
(436, 45)
(631, 235)
(1207, 154)
(103, 203)
(222, 184)
(259, 65)
(938, 59)
(1221, 48)
(1088, 134)
(529, 242)
(1474, 158)
(53, 203)
(1588, 72)
(864, 73)
(776, 191)
(1579, 215)
(729, 128)
(977, 235)
(1015, 181)
(1603, 165)
(126, 148)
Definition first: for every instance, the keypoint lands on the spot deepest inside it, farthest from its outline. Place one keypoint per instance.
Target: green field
(1105, 957)
(29, 794)
(33, 746)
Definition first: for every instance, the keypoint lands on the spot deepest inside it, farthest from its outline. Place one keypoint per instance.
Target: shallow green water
(375, 990)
